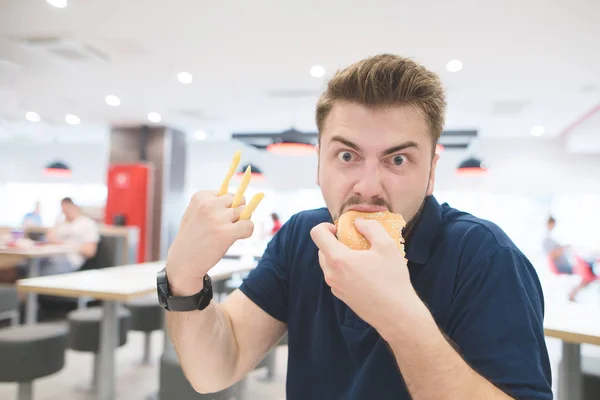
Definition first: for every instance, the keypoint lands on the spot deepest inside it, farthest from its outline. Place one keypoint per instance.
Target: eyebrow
(386, 152)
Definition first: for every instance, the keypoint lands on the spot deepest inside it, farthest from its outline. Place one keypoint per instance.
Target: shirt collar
(418, 245)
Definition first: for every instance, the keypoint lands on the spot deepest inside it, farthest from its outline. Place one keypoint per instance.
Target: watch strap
(198, 301)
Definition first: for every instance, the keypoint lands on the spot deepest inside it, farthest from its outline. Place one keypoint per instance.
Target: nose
(368, 182)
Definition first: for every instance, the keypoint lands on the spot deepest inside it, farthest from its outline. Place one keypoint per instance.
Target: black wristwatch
(198, 301)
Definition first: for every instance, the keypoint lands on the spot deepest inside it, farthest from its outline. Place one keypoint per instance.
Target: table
(10, 257)
(127, 235)
(114, 285)
(575, 325)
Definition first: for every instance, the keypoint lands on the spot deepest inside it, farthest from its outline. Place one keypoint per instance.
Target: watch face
(162, 288)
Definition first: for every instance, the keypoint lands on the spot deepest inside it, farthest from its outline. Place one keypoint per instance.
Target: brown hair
(387, 80)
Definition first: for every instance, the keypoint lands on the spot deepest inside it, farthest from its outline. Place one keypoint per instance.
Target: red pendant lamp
(472, 166)
(255, 172)
(57, 169)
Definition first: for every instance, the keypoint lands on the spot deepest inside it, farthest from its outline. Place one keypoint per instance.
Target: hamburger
(347, 233)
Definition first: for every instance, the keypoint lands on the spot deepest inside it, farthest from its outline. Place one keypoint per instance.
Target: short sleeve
(267, 285)
(496, 320)
(90, 232)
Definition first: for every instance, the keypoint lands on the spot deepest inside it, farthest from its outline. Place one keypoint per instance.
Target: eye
(345, 156)
(398, 159)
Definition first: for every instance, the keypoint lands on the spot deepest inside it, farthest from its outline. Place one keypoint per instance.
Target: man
(558, 255)
(77, 230)
(276, 223)
(461, 320)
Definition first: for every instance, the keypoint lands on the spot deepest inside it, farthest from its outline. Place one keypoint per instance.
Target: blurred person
(461, 319)
(276, 223)
(561, 256)
(33, 218)
(76, 230)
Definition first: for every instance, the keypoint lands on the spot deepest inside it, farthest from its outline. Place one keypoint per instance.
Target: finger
(324, 266)
(234, 213)
(237, 156)
(242, 188)
(373, 231)
(249, 209)
(242, 229)
(226, 200)
(324, 237)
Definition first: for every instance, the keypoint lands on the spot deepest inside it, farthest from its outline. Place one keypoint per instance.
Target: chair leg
(95, 372)
(147, 345)
(25, 391)
(16, 317)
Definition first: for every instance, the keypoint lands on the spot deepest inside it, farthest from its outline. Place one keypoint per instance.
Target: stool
(9, 304)
(84, 332)
(146, 316)
(31, 352)
(174, 384)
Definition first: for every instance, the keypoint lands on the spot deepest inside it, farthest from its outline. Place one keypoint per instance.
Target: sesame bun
(347, 233)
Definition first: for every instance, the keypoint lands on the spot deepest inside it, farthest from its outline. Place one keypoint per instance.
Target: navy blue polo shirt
(481, 290)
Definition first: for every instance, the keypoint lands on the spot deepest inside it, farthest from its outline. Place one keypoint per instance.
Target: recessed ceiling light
(454, 65)
(58, 3)
(72, 119)
(32, 116)
(317, 71)
(200, 135)
(537, 130)
(154, 117)
(112, 100)
(185, 77)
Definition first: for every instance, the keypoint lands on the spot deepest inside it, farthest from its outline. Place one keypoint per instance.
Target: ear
(431, 185)
(318, 164)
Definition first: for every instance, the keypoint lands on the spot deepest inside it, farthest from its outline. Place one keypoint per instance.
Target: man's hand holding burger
(375, 282)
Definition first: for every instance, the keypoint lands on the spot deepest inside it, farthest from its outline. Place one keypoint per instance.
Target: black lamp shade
(471, 166)
(256, 173)
(57, 168)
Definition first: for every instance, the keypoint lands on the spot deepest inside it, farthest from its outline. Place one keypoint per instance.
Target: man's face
(375, 159)
(68, 210)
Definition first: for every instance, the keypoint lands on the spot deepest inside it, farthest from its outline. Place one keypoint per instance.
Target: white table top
(122, 283)
(573, 323)
(37, 251)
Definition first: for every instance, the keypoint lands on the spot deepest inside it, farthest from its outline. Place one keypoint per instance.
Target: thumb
(373, 231)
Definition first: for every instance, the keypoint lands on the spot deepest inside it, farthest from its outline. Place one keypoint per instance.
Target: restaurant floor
(134, 382)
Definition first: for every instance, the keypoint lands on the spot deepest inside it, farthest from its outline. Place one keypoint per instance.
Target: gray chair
(31, 352)
(146, 316)
(174, 384)
(84, 332)
(590, 367)
(9, 304)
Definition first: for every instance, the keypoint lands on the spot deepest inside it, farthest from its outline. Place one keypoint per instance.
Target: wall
(22, 181)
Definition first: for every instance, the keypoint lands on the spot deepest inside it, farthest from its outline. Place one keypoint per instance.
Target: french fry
(251, 206)
(237, 199)
(234, 164)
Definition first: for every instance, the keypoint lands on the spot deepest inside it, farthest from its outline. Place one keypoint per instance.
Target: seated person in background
(559, 255)
(77, 230)
(33, 218)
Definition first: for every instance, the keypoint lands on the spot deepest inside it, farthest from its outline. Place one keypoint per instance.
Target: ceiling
(526, 63)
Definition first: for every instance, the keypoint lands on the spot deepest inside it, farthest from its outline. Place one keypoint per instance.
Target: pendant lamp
(57, 168)
(256, 173)
(472, 166)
